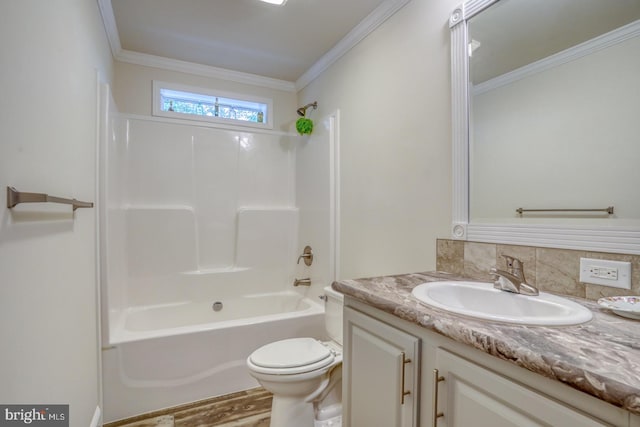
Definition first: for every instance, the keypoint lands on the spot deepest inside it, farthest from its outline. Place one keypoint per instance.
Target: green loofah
(304, 126)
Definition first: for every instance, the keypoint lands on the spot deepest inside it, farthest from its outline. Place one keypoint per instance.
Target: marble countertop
(600, 357)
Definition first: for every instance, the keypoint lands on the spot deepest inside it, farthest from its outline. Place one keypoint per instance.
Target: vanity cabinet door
(380, 373)
(471, 395)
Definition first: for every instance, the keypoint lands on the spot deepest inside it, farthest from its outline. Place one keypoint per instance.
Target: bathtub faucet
(307, 254)
(302, 282)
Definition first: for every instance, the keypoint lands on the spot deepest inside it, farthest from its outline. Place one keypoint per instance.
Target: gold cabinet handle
(404, 392)
(436, 379)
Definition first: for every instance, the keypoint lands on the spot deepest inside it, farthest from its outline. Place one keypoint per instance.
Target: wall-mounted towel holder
(608, 210)
(15, 197)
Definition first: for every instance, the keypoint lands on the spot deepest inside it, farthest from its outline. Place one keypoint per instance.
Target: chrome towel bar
(608, 210)
(15, 197)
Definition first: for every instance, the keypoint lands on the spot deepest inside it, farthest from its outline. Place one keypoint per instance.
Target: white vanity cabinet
(380, 373)
(476, 389)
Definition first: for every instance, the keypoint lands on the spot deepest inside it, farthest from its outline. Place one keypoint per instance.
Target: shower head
(302, 111)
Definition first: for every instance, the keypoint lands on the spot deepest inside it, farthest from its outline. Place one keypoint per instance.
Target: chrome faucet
(302, 282)
(513, 279)
(515, 267)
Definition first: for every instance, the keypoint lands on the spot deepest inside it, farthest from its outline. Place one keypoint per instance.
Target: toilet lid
(291, 353)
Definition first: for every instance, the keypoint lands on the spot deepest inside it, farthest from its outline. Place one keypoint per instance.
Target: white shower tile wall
(181, 193)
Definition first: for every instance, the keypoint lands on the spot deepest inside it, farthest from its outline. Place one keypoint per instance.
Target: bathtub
(169, 354)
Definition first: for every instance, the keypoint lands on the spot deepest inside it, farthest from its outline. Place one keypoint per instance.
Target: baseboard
(96, 421)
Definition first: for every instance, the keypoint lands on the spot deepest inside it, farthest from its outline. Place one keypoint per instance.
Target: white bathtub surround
(163, 248)
(196, 216)
(184, 198)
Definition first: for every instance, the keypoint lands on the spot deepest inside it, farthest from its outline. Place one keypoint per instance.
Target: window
(177, 101)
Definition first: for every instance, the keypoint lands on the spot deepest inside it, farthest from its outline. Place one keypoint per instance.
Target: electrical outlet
(616, 274)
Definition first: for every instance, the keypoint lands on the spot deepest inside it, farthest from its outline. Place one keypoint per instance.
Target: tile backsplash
(551, 270)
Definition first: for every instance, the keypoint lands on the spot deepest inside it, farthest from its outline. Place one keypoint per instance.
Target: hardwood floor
(250, 408)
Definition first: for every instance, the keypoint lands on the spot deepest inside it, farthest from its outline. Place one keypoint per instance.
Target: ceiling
(246, 36)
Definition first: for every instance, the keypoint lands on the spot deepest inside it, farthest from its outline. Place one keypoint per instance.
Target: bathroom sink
(482, 300)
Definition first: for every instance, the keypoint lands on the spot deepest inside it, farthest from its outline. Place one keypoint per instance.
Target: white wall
(393, 93)
(50, 53)
(132, 91)
(572, 144)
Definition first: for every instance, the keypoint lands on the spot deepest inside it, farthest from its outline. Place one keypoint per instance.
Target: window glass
(206, 105)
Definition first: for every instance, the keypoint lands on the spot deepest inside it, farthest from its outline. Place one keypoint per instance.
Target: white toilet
(304, 374)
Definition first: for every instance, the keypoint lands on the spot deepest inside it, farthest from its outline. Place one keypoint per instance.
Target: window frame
(158, 112)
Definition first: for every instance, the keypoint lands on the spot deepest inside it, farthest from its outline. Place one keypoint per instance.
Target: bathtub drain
(217, 306)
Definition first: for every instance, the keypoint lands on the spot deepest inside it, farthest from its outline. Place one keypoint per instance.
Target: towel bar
(15, 197)
(608, 210)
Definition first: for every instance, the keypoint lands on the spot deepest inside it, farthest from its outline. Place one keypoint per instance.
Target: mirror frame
(588, 237)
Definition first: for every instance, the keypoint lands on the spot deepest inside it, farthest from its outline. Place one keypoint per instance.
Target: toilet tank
(333, 314)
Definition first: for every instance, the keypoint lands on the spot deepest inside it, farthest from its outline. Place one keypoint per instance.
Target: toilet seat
(291, 356)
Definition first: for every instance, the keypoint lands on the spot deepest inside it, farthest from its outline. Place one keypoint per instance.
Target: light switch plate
(616, 274)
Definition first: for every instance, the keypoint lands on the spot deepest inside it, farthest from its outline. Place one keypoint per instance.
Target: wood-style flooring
(250, 408)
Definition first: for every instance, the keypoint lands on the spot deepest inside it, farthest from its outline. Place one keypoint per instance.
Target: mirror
(546, 116)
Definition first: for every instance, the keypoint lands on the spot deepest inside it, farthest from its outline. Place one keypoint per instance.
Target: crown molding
(110, 27)
(355, 36)
(364, 28)
(122, 55)
(202, 70)
(586, 48)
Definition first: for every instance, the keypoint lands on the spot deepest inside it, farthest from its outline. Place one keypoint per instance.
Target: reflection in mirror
(546, 115)
(554, 109)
